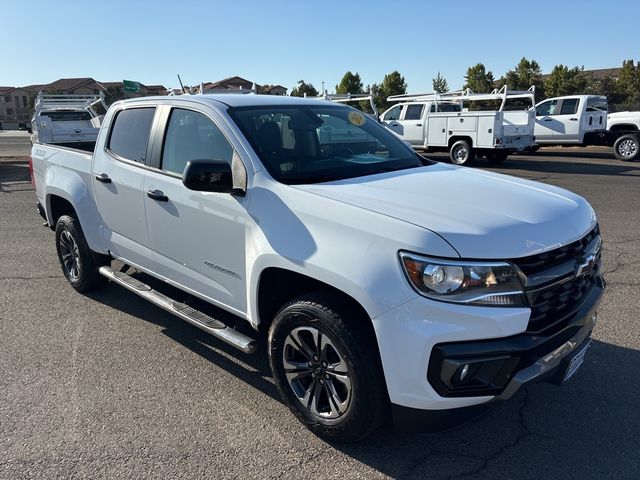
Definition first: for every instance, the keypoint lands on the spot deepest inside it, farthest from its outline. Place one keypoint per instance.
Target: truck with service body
(71, 120)
(437, 121)
(583, 120)
(385, 284)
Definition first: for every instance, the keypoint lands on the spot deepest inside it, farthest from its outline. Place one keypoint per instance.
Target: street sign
(131, 86)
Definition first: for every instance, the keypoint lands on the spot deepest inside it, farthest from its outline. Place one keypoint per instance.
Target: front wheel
(461, 153)
(327, 368)
(627, 147)
(79, 264)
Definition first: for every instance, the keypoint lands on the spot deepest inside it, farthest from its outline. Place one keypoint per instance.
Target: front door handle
(548, 119)
(573, 119)
(103, 177)
(418, 124)
(157, 195)
(395, 125)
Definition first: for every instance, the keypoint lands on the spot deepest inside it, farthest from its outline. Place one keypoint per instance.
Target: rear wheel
(79, 264)
(627, 147)
(461, 153)
(327, 368)
(497, 156)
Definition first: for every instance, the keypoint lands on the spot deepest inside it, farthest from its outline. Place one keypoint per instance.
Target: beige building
(14, 106)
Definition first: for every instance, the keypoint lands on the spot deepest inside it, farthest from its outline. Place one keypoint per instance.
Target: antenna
(181, 86)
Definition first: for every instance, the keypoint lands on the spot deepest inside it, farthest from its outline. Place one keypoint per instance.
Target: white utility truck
(464, 123)
(71, 120)
(382, 282)
(584, 120)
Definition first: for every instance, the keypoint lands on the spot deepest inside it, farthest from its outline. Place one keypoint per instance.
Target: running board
(182, 310)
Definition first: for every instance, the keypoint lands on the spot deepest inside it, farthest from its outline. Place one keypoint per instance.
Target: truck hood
(481, 214)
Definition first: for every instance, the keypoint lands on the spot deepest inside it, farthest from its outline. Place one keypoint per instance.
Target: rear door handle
(573, 119)
(157, 195)
(418, 124)
(548, 119)
(395, 125)
(103, 177)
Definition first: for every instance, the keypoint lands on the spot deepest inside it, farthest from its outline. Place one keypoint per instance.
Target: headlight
(477, 283)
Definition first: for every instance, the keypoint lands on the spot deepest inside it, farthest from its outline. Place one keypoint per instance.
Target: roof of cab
(236, 100)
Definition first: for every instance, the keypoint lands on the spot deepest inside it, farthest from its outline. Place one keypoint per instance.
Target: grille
(542, 261)
(553, 307)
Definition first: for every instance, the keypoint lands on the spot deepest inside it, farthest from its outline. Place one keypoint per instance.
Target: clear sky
(281, 42)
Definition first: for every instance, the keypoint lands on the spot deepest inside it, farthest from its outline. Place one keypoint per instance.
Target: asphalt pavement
(105, 385)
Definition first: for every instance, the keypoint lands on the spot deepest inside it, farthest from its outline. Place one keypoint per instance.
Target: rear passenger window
(192, 136)
(414, 112)
(130, 133)
(569, 106)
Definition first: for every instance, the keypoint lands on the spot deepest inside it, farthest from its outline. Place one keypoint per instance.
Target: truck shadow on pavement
(585, 429)
(543, 163)
(14, 171)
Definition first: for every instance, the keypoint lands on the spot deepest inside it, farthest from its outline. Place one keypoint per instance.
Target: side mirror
(209, 176)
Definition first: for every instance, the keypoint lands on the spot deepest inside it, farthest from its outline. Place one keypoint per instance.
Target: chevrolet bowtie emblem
(585, 265)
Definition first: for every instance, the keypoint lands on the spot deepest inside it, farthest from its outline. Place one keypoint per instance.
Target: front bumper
(427, 403)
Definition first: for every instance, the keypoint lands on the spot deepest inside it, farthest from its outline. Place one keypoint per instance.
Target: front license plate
(575, 362)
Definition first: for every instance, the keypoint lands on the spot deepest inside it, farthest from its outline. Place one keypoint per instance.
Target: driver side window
(192, 136)
(547, 108)
(393, 114)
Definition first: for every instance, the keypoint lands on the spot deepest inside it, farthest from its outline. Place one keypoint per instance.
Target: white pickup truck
(67, 120)
(384, 282)
(584, 120)
(497, 124)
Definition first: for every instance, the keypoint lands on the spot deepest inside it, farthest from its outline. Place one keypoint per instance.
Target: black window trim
(120, 158)
(160, 135)
(408, 106)
(561, 103)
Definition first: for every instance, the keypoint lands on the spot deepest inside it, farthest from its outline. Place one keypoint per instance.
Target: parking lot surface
(107, 386)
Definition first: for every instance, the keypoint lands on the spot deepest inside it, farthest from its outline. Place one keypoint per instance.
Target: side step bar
(182, 310)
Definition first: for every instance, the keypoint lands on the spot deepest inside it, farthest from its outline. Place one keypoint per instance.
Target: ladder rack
(467, 95)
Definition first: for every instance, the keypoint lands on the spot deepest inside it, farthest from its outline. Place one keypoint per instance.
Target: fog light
(464, 372)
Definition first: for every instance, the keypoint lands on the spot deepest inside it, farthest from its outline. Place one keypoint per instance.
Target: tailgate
(66, 135)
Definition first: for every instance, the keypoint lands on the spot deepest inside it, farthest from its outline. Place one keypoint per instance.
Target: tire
(497, 156)
(79, 264)
(533, 149)
(627, 147)
(461, 153)
(348, 365)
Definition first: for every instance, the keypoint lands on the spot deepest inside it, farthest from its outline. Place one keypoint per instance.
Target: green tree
(567, 81)
(478, 79)
(440, 84)
(113, 94)
(350, 83)
(392, 84)
(303, 88)
(627, 88)
(526, 74)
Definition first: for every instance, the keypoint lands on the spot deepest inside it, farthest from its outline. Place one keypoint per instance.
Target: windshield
(310, 144)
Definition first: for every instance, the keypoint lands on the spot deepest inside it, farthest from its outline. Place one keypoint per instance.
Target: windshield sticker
(356, 118)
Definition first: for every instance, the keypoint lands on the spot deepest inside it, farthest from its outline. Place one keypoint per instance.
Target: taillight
(33, 182)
